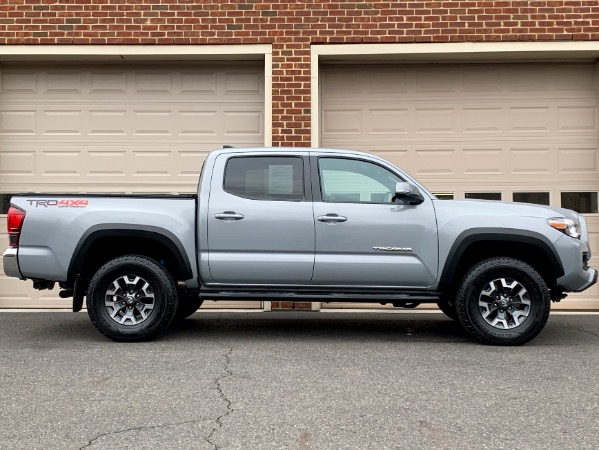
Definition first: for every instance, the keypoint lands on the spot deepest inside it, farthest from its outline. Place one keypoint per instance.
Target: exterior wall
(292, 27)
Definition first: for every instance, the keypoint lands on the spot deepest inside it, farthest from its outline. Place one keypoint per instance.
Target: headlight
(566, 226)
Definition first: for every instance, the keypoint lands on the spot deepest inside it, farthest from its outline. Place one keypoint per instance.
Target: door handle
(332, 218)
(228, 216)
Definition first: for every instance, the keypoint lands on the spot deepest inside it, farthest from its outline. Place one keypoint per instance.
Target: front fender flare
(469, 237)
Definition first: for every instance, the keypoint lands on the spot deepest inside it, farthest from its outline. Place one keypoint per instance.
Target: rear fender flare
(163, 236)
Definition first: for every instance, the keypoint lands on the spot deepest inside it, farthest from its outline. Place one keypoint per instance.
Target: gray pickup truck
(301, 224)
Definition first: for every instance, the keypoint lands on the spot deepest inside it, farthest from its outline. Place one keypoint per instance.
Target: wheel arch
(476, 245)
(100, 244)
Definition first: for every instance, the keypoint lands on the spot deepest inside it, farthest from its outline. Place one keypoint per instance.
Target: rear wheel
(131, 298)
(503, 301)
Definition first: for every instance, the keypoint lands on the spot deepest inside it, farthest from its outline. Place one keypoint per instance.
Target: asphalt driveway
(296, 380)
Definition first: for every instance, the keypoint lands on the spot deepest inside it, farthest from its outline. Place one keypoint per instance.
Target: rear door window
(265, 177)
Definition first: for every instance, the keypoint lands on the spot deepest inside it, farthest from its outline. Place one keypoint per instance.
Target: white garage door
(141, 129)
(525, 132)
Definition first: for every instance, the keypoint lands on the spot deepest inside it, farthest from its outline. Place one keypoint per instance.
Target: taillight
(16, 217)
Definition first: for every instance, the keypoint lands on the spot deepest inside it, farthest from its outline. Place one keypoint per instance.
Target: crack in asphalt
(228, 403)
(143, 427)
(219, 420)
(587, 331)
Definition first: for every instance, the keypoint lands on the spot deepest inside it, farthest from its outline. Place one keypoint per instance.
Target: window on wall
(538, 198)
(582, 202)
(5, 203)
(444, 195)
(265, 177)
(483, 195)
(355, 181)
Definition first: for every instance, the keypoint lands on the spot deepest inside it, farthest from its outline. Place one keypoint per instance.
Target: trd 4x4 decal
(66, 203)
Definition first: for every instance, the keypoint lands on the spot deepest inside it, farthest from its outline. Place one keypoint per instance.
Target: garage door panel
(119, 129)
(107, 123)
(18, 82)
(497, 82)
(508, 160)
(578, 160)
(471, 128)
(18, 122)
(16, 163)
(525, 161)
(469, 121)
(135, 81)
(61, 82)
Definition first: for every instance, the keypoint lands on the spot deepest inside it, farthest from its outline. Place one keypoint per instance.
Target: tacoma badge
(393, 249)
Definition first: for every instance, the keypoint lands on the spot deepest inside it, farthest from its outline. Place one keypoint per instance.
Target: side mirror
(408, 194)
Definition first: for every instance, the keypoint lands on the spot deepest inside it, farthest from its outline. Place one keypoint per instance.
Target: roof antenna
(228, 146)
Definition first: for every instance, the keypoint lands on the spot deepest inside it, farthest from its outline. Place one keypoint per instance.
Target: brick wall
(292, 26)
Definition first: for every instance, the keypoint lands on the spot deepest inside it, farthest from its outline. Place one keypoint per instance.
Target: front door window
(355, 181)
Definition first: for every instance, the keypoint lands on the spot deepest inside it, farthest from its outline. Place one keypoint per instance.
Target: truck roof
(287, 149)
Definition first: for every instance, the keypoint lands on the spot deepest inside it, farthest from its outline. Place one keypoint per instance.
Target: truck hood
(496, 208)
(452, 214)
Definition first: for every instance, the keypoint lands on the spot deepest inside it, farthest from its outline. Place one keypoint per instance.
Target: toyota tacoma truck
(299, 224)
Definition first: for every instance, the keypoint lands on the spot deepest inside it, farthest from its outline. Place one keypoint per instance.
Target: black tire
(157, 285)
(447, 305)
(483, 283)
(189, 302)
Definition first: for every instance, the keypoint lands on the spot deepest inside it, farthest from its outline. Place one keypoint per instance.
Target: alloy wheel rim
(504, 303)
(129, 300)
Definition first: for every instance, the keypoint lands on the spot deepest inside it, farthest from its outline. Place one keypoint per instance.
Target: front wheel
(131, 298)
(503, 301)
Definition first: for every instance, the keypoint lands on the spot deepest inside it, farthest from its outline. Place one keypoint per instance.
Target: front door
(363, 236)
(260, 220)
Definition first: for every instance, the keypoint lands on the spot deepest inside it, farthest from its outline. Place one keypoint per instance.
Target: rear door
(363, 237)
(260, 220)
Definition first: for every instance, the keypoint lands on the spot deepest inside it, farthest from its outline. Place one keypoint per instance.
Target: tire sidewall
(469, 311)
(163, 298)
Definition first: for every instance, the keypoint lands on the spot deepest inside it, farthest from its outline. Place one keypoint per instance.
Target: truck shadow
(341, 326)
(43, 331)
(307, 326)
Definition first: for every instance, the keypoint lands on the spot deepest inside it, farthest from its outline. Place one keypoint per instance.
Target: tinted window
(354, 181)
(5, 203)
(443, 195)
(538, 198)
(483, 195)
(582, 202)
(265, 177)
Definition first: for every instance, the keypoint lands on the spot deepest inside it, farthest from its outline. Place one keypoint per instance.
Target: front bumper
(579, 280)
(10, 263)
(574, 255)
(590, 281)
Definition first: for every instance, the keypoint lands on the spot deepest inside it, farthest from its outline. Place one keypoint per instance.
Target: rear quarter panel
(53, 231)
